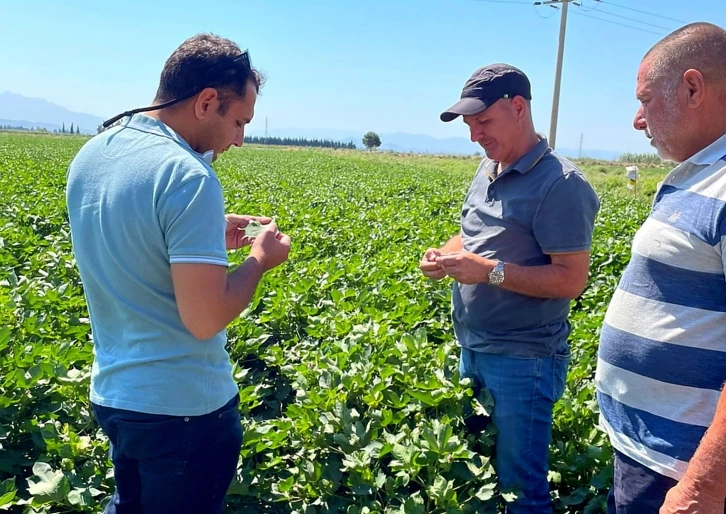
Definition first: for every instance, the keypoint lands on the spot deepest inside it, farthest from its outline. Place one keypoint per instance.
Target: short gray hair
(700, 46)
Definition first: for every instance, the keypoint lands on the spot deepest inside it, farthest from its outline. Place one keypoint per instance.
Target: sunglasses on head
(213, 73)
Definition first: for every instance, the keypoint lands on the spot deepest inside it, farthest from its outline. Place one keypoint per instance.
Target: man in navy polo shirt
(522, 254)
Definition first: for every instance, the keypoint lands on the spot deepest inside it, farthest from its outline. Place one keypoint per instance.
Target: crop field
(345, 360)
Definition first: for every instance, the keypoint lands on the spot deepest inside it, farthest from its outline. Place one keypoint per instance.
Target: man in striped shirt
(662, 357)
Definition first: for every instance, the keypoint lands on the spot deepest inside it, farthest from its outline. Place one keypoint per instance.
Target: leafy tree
(371, 140)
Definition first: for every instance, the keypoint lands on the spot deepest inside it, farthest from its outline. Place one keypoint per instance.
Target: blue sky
(387, 66)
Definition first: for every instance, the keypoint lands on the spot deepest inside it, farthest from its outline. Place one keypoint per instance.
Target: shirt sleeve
(565, 220)
(193, 222)
(721, 247)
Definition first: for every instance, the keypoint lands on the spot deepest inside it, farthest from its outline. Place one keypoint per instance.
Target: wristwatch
(496, 275)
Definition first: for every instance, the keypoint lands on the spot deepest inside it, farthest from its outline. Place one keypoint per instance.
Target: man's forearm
(707, 467)
(209, 297)
(453, 245)
(241, 286)
(565, 277)
(548, 281)
(238, 292)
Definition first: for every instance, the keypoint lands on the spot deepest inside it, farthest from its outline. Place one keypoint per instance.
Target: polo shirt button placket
(488, 199)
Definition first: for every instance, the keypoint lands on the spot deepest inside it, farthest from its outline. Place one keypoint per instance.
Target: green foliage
(345, 358)
(371, 140)
(298, 141)
(254, 228)
(647, 159)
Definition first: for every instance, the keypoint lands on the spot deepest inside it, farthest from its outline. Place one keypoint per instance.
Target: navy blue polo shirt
(539, 206)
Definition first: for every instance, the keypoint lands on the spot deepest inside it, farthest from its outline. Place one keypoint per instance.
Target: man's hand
(428, 265)
(466, 267)
(235, 233)
(686, 498)
(270, 248)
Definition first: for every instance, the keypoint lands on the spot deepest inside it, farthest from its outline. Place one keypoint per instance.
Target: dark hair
(185, 71)
(700, 46)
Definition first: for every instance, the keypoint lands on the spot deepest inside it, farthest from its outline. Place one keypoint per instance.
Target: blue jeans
(525, 390)
(637, 489)
(171, 464)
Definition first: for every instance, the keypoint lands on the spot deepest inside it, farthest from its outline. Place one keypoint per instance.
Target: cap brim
(464, 107)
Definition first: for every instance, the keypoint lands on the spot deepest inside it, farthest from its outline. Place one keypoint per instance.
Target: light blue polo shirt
(140, 199)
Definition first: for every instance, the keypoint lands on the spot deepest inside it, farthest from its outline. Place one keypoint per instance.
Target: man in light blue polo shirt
(521, 256)
(150, 237)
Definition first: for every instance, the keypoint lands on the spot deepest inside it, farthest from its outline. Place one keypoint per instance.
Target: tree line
(298, 141)
(371, 140)
(70, 131)
(640, 158)
(62, 130)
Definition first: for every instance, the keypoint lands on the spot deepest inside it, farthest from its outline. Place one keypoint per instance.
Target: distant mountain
(419, 143)
(395, 142)
(19, 110)
(601, 155)
(35, 112)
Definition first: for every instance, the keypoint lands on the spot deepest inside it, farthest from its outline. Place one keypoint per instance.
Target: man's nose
(475, 134)
(639, 121)
(239, 138)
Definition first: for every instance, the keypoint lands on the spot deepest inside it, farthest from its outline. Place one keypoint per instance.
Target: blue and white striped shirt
(662, 356)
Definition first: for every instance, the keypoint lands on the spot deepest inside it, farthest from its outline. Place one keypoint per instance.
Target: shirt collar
(159, 128)
(712, 153)
(524, 164)
(531, 158)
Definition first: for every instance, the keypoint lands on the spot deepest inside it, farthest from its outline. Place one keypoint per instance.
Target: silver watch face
(496, 276)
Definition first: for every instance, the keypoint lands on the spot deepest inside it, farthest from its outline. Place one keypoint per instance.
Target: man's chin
(663, 154)
(489, 153)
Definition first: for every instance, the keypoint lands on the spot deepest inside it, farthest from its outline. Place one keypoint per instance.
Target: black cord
(113, 120)
(242, 60)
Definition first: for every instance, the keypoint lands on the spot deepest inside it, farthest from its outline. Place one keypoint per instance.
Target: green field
(345, 359)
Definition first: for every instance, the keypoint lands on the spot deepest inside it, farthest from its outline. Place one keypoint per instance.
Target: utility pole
(582, 136)
(558, 72)
(265, 128)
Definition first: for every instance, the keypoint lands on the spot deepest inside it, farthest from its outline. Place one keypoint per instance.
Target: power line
(554, 11)
(620, 24)
(581, 5)
(636, 21)
(607, 2)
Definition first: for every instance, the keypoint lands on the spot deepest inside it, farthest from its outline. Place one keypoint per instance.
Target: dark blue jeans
(636, 489)
(525, 391)
(171, 464)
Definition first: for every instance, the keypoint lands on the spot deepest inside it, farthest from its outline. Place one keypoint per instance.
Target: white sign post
(632, 173)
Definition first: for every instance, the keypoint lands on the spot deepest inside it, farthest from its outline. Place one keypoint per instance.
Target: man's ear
(696, 88)
(520, 106)
(206, 102)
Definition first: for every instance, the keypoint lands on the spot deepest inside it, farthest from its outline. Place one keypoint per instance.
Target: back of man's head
(698, 46)
(187, 67)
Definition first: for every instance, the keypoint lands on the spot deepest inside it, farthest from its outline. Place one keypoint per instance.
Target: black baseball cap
(486, 86)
